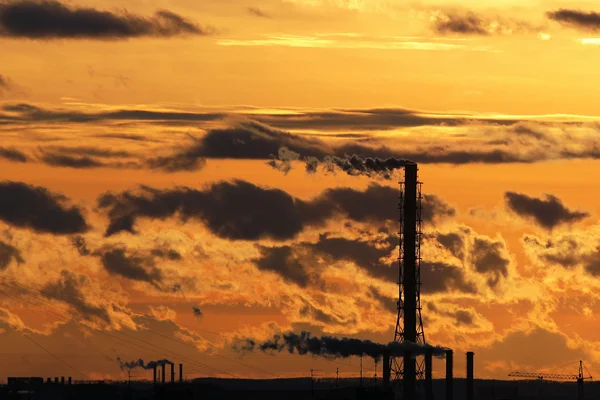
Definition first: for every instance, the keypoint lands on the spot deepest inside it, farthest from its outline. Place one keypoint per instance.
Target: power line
(124, 333)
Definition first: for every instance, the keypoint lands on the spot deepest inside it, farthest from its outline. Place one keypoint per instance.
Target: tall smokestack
(409, 378)
(172, 373)
(162, 374)
(470, 367)
(154, 369)
(449, 375)
(409, 275)
(386, 370)
(180, 373)
(428, 374)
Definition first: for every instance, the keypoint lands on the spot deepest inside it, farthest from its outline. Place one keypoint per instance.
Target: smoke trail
(332, 347)
(355, 165)
(197, 312)
(140, 363)
(352, 165)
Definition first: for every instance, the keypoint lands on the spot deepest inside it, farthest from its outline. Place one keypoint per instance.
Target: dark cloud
(548, 213)
(131, 266)
(438, 277)
(454, 242)
(257, 12)
(37, 208)
(234, 210)
(489, 257)
(8, 254)
(461, 317)
(468, 23)
(49, 19)
(69, 290)
(240, 210)
(295, 263)
(13, 155)
(585, 20)
(283, 262)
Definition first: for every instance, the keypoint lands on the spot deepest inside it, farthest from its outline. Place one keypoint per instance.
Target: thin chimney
(470, 373)
(162, 375)
(429, 374)
(386, 370)
(154, 368)
(449, 375)
(172, 373)
(180, 373)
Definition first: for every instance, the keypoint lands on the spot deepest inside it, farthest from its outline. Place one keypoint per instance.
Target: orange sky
(492, 102)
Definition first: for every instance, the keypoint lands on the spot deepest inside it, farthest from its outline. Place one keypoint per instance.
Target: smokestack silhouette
(172, 373)
(162, 375)
(333, 347)
(428, 375)
(154, 369)
(69, 380)
(62, 380)
(470, 371)
(180, 373)
(409, 275)
(48, 380)
(56, 380)
(386, 370)
(449, 375)
(409, 377)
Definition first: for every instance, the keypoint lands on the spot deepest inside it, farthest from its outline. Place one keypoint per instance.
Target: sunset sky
(176, 176)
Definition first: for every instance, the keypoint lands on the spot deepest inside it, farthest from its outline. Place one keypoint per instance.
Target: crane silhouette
(579, 377)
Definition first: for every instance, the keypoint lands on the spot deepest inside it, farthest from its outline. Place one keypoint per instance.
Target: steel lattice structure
(409, 324)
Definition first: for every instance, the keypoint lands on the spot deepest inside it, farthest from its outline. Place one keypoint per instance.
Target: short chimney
(449, 375)
(48, 380)
(409, 378)
(56, 380)
(428, 373)
(180, 373)
(62, 380)
(154, 368)
(470, 367)
(69, 380)
(172, 373)
(162, 376)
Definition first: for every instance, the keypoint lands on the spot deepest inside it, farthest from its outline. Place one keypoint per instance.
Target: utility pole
(361, 385)
(129, 382)
(337, 378)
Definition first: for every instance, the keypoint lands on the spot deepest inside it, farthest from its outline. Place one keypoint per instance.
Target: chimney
(48, 380)
(154, 368)
(409, 378)
(449, 375)
(428, 374)
(180, 373)
(69, 380)
(386, 370)
(62, 380)
(172, 373)
(56, 380)
(162, 374)
(470, 367)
